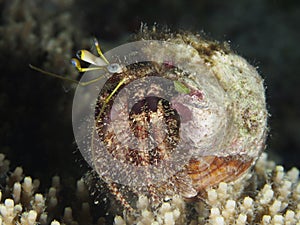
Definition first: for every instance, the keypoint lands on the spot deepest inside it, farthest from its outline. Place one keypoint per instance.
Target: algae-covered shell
(183, 115)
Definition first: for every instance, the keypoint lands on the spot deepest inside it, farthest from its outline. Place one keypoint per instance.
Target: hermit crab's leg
(119, 197)
(152, 194)
(110, 96)
(112, 186)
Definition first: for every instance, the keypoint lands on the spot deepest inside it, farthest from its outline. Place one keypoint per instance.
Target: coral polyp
(180, 115)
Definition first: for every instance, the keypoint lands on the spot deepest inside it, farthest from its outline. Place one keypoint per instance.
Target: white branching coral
(21, 204)
(24, 206)
(268, 195)
(35, 27)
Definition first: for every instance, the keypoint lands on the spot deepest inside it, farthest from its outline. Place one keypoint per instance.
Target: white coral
(26, 207)
(270, 196)
(276, 201)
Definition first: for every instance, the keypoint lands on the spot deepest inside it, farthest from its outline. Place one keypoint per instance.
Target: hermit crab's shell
(184, 114)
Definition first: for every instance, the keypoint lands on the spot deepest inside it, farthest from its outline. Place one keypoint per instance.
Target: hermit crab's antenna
(53, 74)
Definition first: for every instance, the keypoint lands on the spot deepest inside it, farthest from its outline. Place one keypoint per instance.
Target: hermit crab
(168, 114)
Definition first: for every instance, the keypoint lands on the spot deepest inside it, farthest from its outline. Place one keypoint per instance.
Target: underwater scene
(149, 112)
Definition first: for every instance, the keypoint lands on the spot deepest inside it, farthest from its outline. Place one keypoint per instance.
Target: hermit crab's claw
(75, 62)
(88, 57)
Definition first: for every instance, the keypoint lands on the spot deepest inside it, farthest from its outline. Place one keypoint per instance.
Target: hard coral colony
(270, 196)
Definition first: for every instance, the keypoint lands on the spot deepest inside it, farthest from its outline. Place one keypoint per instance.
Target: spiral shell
(183, 115)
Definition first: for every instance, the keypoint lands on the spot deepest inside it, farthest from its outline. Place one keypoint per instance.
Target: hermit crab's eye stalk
(96, 43)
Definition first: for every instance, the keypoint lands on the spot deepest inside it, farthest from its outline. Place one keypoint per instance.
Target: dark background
(35, 110)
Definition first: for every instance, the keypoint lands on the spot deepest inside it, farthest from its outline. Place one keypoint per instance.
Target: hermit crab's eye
(114, 68)
(79, 54)
(75, 62)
